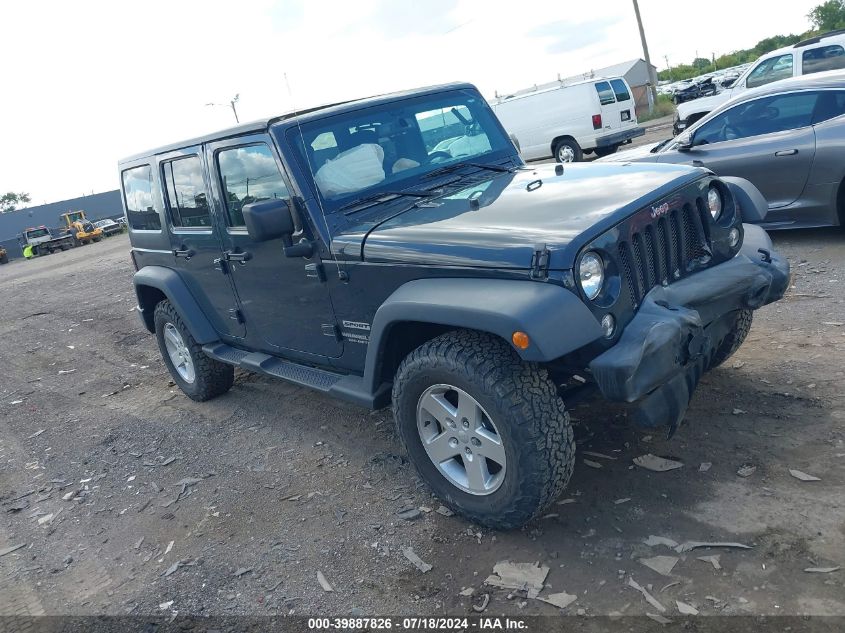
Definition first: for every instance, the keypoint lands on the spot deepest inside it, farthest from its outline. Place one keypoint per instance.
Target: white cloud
(95, 81)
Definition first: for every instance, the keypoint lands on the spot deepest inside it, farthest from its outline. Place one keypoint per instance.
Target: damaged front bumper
(667, 346)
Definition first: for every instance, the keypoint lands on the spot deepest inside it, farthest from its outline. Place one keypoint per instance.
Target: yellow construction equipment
(81, 228)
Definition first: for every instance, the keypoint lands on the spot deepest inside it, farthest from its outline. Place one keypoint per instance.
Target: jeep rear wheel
(739, 330)
(198, 376)
(487, 431)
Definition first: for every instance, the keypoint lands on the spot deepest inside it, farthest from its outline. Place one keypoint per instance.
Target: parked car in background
(567, 121)
(695, 90)
(788, 138)
(109, 227)
(813, 55)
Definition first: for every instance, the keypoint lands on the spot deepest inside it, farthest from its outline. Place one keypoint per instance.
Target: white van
(567, 121)
(813, 55)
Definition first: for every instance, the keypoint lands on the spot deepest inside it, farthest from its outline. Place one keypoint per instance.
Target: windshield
(36, 233)
(393, 146)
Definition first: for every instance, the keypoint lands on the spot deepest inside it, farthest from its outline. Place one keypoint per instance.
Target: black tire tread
(530, 400)
(734, 339)
(213, 378)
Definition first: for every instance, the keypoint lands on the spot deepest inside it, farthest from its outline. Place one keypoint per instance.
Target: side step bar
(344, 386)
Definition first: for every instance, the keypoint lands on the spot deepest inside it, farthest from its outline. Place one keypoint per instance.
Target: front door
(195, 239)
(284, 308)
(769, 141)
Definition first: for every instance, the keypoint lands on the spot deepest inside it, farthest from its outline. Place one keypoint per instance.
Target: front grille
(667, 249)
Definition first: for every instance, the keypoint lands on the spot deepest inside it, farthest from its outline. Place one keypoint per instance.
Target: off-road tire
(523, 403)
(212, 379)
(576, 149)
(735, 338)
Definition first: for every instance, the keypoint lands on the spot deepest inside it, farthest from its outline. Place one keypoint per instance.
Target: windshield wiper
(353, 206)
(449, 168)
(660, 146)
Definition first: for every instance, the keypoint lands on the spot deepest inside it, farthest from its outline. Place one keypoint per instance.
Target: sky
(89, 82)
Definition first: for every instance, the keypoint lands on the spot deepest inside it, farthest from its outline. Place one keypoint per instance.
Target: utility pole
(669, 66)
(651, 74)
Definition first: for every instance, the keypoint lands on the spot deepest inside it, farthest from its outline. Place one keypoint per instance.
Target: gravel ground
(130, 498)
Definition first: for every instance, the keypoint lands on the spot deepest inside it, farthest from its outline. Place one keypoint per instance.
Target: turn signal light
(596, 121)
(521, 340)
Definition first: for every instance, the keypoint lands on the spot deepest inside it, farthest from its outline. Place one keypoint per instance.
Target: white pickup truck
(823, 52)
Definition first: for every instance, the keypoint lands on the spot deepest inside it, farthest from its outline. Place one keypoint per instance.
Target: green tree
(10, 201)
(701, 63)
(828, 16)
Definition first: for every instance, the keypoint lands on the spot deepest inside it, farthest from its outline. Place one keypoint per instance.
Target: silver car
(788, 138)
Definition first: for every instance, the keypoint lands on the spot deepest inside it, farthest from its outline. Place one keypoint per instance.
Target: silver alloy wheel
(461, 440)
(565, 154)
(179, 354)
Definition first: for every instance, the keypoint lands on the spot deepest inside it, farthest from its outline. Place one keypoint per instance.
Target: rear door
(617, 105)
(195, 238)
(284, 304)
(769, 141)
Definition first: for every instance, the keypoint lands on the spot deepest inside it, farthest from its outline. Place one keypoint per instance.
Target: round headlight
(591, 274)
(714, 202)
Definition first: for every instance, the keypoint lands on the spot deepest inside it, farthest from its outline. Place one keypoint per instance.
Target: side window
(767, 115)
(248, 174)
(770, 70)
(186, 195)
(823, 58)
(605, 93)
(138, 198)
(831, 104)
(620, 90)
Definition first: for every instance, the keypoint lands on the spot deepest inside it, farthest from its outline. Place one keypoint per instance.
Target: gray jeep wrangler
(397, 251)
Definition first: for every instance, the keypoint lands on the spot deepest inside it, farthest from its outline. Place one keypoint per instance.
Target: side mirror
(684, 142)
(268, 219)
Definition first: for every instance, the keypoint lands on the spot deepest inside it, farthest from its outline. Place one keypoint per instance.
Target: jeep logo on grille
(661, 209)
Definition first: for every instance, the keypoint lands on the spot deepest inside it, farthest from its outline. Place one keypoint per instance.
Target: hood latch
(540, 262)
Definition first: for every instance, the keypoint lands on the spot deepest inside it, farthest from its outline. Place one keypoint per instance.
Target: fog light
(608, 324)
(733, 237)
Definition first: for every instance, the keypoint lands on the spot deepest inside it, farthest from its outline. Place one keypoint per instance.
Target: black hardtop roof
(292, 118)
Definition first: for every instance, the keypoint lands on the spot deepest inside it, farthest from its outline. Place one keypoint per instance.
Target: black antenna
(340, 273)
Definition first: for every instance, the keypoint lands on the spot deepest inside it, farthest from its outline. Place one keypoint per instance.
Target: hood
(704, 104)
(498, 223)
(639, 153)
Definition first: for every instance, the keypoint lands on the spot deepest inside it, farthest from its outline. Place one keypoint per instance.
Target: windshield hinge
(540, 262)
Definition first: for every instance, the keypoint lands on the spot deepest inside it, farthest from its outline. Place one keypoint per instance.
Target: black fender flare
(752, 205)
(171, 285)
(556, 320)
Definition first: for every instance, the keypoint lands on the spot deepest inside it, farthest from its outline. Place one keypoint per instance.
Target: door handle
(786, 152)
(241, 257)
(698, 163)
(187, 253)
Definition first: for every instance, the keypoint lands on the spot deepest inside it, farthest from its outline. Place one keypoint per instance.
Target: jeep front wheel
(487, 431)
(198, 376)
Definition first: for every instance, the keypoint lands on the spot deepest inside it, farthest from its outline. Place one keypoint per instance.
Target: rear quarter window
(138, 199)
(822, 58)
